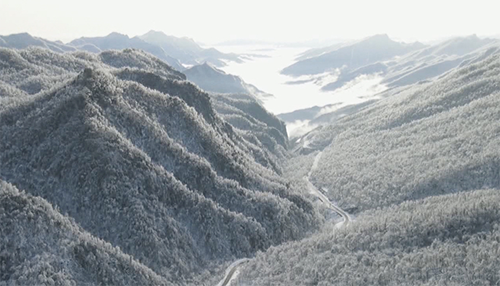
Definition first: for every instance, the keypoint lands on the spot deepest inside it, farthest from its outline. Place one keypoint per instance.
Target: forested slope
(138, 157)
(444, 240)
(433, 139)
(421, 172)
(253, 122)
(42, 247)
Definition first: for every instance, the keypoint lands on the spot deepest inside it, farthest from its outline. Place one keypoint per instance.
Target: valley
(156, 160)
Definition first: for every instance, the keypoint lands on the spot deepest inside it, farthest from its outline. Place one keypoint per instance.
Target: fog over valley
(264, 67)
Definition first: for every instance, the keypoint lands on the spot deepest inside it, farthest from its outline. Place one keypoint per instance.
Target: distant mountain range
(188, 51)
(436, 60)
(174, 51)
(351, 56)
(399, 63)
(420, 64)
(24, 40)
(116, 41)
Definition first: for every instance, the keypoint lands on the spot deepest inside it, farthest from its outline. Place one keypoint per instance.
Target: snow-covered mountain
(177, 52)
(188, 51)
(121, 145)
(24, 40)
(431, 139)
(115, 169)
(352, 56)
(420, 171)
(213, 79)
(117, 41)
(397, 74)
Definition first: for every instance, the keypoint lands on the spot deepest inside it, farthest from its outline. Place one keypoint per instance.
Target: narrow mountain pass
(233, 269)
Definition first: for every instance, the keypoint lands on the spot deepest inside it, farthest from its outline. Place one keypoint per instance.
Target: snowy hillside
(120, 143)
(420, 173)
(436, 139)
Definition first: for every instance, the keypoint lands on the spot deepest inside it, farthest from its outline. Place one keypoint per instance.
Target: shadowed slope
(158, 176)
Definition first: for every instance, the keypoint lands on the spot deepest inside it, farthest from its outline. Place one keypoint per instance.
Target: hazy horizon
(276, 21)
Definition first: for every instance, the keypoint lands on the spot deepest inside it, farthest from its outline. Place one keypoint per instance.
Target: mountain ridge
(212, 79)
(355, 55)
(187, 50)
(151, 170)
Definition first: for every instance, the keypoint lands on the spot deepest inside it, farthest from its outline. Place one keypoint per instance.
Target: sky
(219, 20)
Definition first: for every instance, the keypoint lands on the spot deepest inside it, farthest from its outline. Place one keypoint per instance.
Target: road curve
(232, 270)
(313, 190)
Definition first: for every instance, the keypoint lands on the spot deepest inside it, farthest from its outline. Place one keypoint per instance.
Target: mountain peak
(117, 35)
(379, 38)
(101, 84)
(207, 65)
(21, 35)
(206, 68)
(155, 33)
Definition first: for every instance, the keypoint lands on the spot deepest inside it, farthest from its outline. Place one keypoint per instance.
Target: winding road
(233, 269)
(313, 190)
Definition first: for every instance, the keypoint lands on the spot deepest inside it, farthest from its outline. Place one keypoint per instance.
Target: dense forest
(420, 172)
(442, 240)
(138, 157)
(434, 139)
